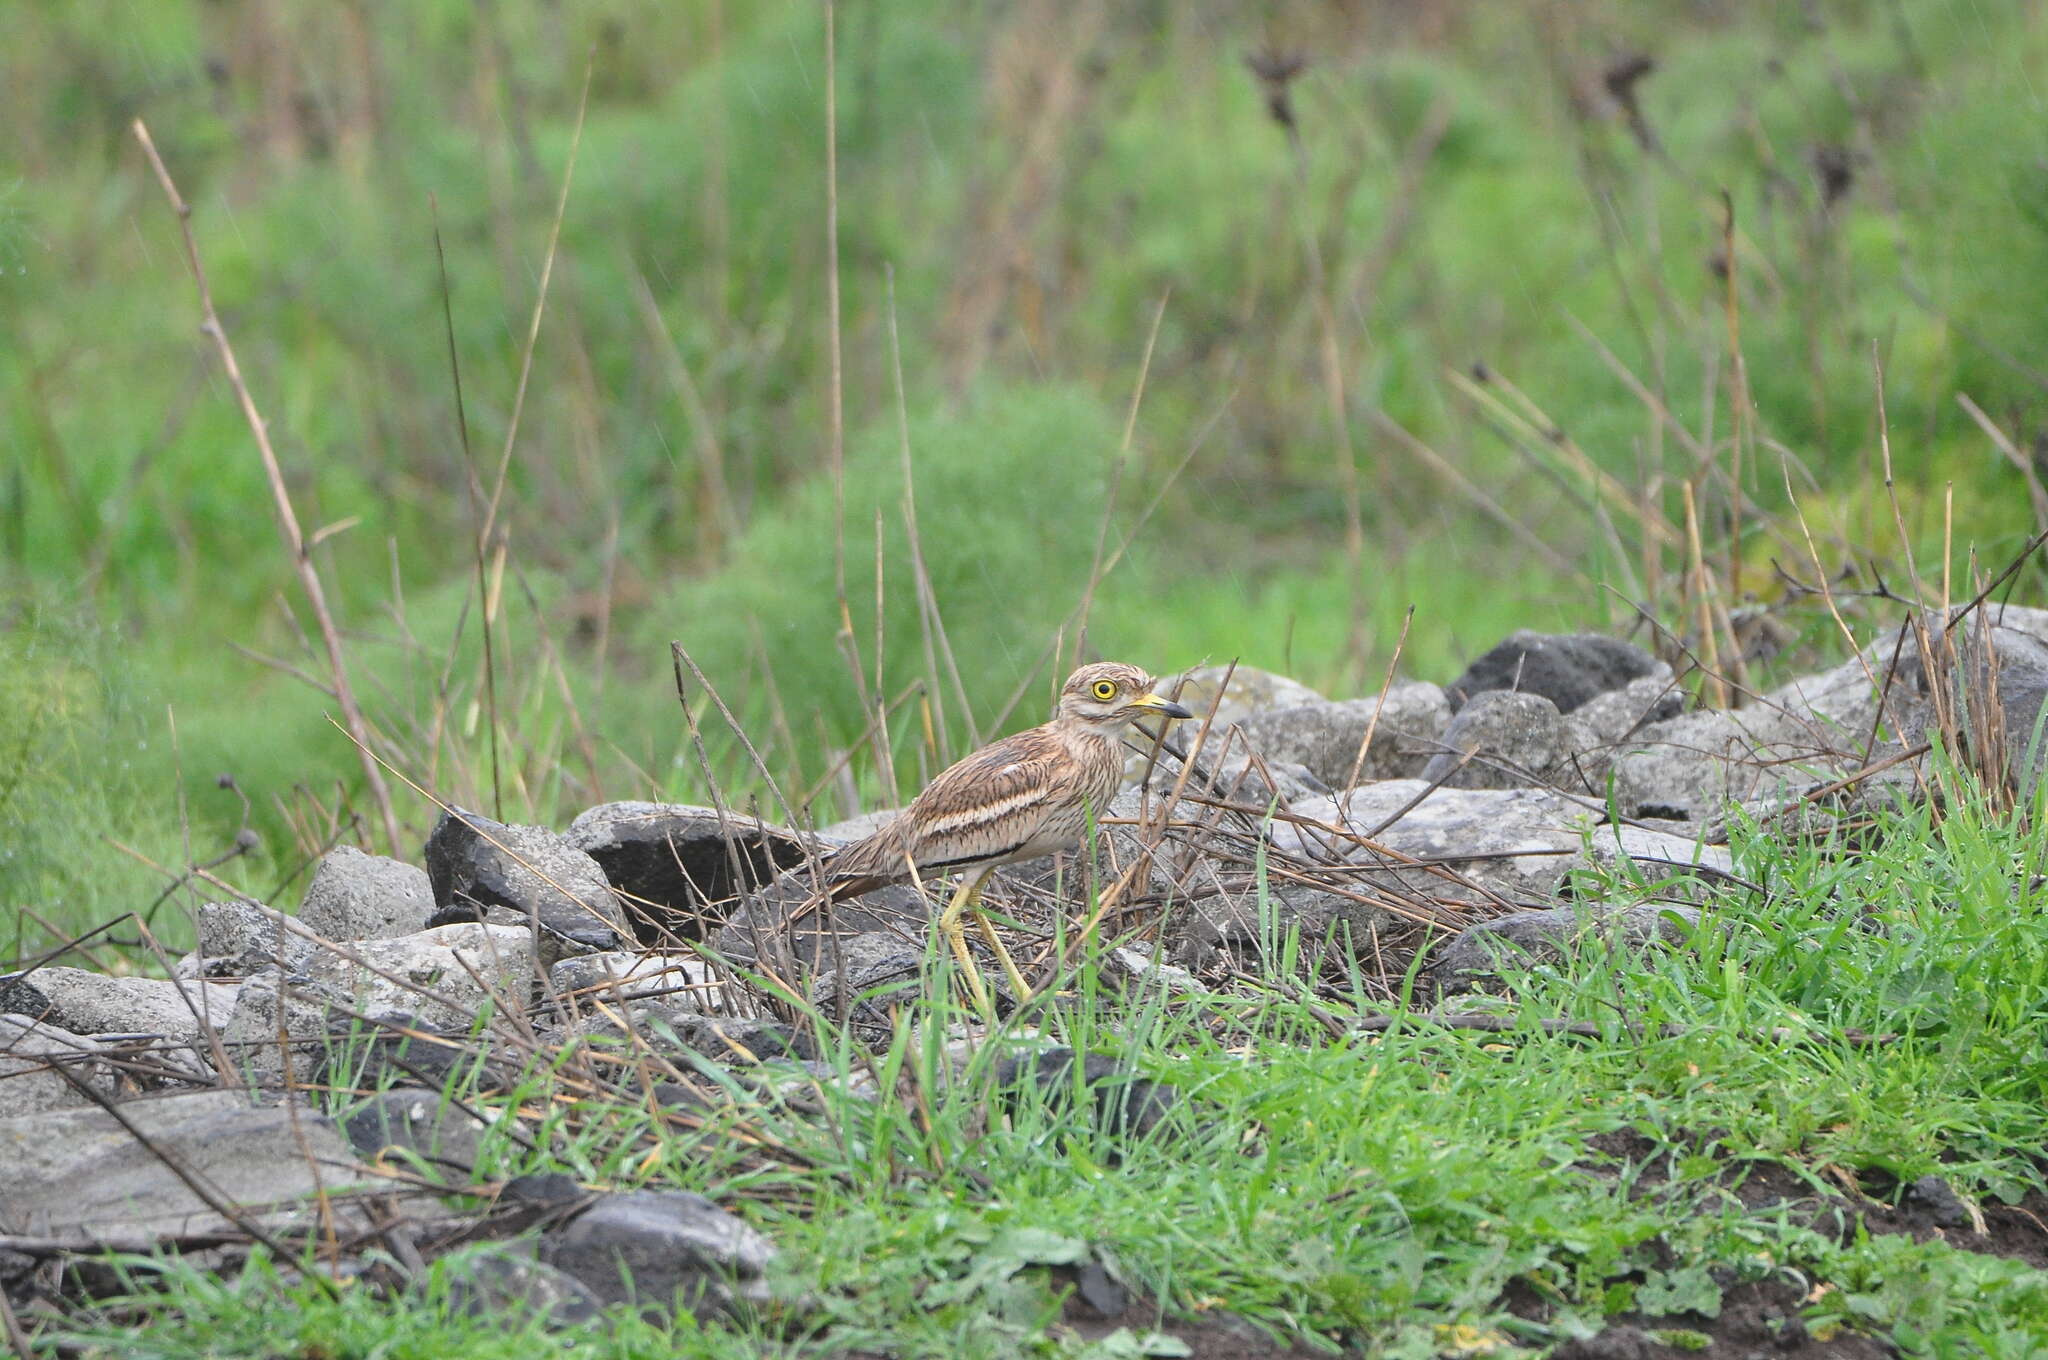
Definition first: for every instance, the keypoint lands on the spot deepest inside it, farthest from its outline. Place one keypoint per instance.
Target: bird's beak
(1152, 703)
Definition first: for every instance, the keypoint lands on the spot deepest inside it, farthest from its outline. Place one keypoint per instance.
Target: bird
(1032, 793)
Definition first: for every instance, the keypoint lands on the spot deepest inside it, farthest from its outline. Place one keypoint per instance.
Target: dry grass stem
(287, 517)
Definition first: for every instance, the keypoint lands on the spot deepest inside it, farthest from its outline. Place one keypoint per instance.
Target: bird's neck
(1080, 729)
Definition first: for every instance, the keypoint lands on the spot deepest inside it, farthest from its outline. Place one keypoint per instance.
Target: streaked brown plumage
(1028, 795)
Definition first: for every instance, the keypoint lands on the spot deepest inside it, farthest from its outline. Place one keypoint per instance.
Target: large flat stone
(27, 1052)
(662, 1247)
(1517, 842)
(81, 1174)
(86, 1002)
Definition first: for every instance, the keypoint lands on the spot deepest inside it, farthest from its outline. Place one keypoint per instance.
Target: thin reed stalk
(287, 517)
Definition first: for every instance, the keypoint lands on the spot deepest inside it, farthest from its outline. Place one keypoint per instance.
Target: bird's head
(1109, 695)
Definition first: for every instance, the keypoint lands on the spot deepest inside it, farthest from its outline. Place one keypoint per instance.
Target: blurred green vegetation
(1453, 185)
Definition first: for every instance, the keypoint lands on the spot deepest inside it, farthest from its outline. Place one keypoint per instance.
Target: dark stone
(787, 928)
(682, 868)
(411, 1119)
(1528, 938)
(543, 1190)
(743, 1041)
(1125, 1105)
(662, 1248)
(674, 1095)
(503, 1279)
(1565, 668)
(880, 970)
(1937, 1199)
(1097, 1288)
(475, 866)
(363, 1055)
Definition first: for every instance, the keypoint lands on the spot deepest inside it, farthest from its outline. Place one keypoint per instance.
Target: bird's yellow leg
(949, 926)
(988, 932)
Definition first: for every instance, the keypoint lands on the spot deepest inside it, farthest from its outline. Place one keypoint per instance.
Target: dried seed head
(1276, 71)
(1836, 167)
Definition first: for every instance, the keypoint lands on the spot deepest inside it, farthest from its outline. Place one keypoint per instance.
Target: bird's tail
(840, 890)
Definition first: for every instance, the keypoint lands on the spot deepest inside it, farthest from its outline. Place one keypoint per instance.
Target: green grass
(1392, 1186)
(1387, 1189)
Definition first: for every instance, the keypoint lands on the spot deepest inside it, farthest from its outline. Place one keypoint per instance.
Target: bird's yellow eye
(1105, 690)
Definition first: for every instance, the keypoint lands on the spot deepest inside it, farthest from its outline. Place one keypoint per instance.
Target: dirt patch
(1096, 1306)
(1759, 1317)
(1929, 1209)
(1765, 1317)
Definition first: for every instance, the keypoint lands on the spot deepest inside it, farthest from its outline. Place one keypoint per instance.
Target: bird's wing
(990, 804)
(986, 806)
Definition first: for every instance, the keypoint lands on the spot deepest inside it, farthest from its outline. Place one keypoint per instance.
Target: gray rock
(737, 1041)
(1556, 936)
(506, 1278)
(1121, 1103)
(1616, 716)
(81, 1174)
(329, 1044)
(1645, 854)
(388, 1050)
(662, 1249)
(1994, 687)
(355, 896)
(682, 867)
(444, 976)
(1235, 775)
(786, 928)
(1506, 740)
(2018, 617)
(856, 828)
(1567, 669)
(1245, 927)
(415, 1124)
(85, 1002)
(27, 1050)
(1250, 690)
(516, 875)
(1823, 723)
(1516, 843)
(1141, 966)
(679, 981)
(237, 939)
(1938, 1200)
(1838, 707)
(880, 970)
(1691, 767)
(274, 1012)
(1324, 737)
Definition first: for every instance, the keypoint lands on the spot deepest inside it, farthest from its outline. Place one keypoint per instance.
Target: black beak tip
(1173, 710)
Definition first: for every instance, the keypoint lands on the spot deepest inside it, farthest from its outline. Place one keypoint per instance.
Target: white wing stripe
(974, 818)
